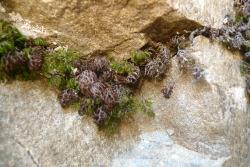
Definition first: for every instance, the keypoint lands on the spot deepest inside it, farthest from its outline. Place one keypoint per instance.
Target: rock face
(206, 12)
(36, 131)
(157, 149)
(209, 116)
(112, 26)
(204, 123)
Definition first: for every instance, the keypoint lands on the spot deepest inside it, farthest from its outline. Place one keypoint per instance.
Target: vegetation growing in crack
(235, 34)
(40, 42)
(122, 67)
(10, 38)
(20, 57)
(99, 88)
(140, 57)
(58, 67)
(105, 89)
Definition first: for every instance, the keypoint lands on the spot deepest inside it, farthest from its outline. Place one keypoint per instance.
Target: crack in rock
(28, 152)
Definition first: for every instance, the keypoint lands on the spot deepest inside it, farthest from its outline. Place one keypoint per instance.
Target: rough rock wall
(206, 12)
(202, 124)
(113, 26)
(208, 116)
(37, 132)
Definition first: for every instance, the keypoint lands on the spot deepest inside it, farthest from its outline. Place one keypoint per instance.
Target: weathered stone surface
(36, 132)
(204, 123)
(157, 149)
(113, 26)
(208, 116)
(206, 12)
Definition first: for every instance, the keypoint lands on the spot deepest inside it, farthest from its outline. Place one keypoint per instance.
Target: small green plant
(122, 67)
(145, 106)
(5, 47)
(246, 45)
(244, 68)
(10, 38)
(240, 17)
(62, 81)
(128, 106)
(55, 80)
(27, 52)
(60, 61)
(92, 105)
(140, 57)
(40, 42)
(72, 84)
(57, 67)
(75, 105)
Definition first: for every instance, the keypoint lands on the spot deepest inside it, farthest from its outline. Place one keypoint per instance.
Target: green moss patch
(58, 65)
(140, 57)
(122, 67)
(10, 38)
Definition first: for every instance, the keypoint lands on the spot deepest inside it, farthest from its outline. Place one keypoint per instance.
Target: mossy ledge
(24, 58)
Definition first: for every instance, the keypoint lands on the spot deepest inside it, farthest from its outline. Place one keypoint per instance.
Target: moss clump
(140, 57)
(75, 105)
(246, 45)
(122, 67)
(40, 42)
(92, 105)
(60, 61)
(5, 47)
(240, 17)
(128, 106)
(72, 84)
(244, 68)
(58, 65)
(10, 38)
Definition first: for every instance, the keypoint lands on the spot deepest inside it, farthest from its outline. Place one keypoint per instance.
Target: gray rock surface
(204, 123)
(35, 131)
(206, 12)
(209, 116)
(157, 149)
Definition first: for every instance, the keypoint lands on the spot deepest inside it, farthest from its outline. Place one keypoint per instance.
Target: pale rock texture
(157, 149)
(205, 123)
(206, 12)
(205, 117)
(211, 115)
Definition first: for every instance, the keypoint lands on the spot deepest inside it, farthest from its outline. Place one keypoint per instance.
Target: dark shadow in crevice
(162, 30)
